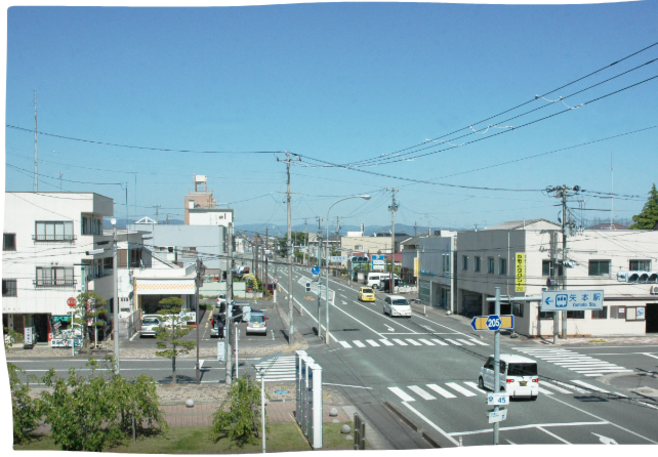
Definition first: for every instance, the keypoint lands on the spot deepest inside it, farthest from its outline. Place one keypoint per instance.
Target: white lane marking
(358, 343)
(650, 355)
(453, 342)
(389, 328)
(414, 342)
(554, 387)
(345, 344)
(589, 386)
(468, 343)
(432, 424)
(479, 342)
(545, 391)
(552, 434)
(592, 375)
(521, 427)
(387, 342)
(441, 391)
(601, 370)
(201, 363)
(373, 343)
(439, 342)
(344, 385)
(401, 393)
(343, 302)
(472, 385)
(460, 389)
(425, 395)
(605, 439)
(400, 342)
(426, 342)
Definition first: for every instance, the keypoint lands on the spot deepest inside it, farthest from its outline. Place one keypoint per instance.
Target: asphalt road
(427, 368)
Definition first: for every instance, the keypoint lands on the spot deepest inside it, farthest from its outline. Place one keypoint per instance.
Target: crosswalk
(410, 342)
(468, 389)
(282, 369)
(573, 361)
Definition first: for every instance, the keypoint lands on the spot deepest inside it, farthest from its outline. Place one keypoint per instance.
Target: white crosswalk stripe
(411, 341)
(545, 391)
(554, 387)
(441, 391)
(424, 395)
(386, 342)
(468, 343)
(359, 343)
(481, 343)
(282, 369)
(439, 342)
(426, 342)
(414, 342)
(453, 342)
(372, 343)
(400, 393)
(475, 386)
(460, 389)
(345, 344)
(400, 342)
(573, 361)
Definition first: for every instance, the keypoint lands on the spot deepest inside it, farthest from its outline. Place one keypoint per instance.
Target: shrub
(242, 420)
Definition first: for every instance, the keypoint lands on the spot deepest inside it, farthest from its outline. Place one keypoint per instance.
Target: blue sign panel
(569, 300)
(315, 270)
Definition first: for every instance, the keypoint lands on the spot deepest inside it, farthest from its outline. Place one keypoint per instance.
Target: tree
(26, 411)
(648, 217)
(170, 337)
(90, 307)
(241, 423)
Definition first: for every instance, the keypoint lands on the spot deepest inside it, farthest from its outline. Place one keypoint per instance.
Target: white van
(518, 376)
(373, 278)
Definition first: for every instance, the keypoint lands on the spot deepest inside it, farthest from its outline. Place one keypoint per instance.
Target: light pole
(365, 197)
(115, 301)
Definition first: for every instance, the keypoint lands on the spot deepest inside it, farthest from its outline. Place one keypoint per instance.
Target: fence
(359, 433)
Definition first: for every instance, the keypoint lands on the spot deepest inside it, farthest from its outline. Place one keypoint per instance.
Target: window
(55, 277)
(639, 265)
(91, 226)
(8, 241)
(502, 266)
(358, 247)
(9, 288)
(517, 309)
(599, 268)
(617, 312)
(549, 269)
(108, 263)
(600, 313)
(635, 313)
(464, 262)
(545, 315)
(478, 261)
(575, 314)
(490, 265)
(54, 231)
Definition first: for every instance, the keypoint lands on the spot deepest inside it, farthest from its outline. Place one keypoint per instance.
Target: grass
(281, 437)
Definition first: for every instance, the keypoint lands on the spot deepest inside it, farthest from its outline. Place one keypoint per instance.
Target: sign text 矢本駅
(570, 300)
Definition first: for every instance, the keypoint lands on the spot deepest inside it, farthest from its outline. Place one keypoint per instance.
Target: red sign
(72, 302)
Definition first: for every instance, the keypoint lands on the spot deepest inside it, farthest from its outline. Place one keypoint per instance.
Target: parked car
(257, 323)
(397, 305)
(367, 294)
(518, 376)
(221, 300)
(149, 326)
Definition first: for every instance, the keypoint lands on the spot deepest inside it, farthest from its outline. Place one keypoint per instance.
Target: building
(524, 258)
(45, 239)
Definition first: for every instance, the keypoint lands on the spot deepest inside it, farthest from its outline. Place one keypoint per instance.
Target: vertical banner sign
(520, 272)
(416, 266)
(83, 279)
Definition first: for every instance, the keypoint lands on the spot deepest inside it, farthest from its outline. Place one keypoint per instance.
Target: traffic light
(308, 287)
(359, 259)
(638, 277)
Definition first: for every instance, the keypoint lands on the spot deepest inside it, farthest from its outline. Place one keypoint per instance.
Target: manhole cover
(280, 392)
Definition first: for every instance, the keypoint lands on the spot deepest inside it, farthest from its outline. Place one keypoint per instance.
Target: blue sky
(340, 83)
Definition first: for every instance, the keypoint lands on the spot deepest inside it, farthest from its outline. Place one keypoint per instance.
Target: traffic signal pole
(496, 426)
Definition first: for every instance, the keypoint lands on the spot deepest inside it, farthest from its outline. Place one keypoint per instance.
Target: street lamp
(365, 197)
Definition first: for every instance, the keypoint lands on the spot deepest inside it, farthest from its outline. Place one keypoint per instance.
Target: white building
(521, 257)
(45, 237)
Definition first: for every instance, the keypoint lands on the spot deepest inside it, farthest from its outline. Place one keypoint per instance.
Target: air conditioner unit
(654, 290)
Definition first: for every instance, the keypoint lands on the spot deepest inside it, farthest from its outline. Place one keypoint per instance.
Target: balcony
(52, 283)
(54, 238)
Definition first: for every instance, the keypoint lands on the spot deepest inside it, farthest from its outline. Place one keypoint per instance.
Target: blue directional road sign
(568, 300)
(315, 270)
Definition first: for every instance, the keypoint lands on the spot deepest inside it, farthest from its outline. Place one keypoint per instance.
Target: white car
(397, 305)
(518, 376)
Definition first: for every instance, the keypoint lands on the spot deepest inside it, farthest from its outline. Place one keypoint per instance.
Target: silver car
(149, 324)
(257, 323)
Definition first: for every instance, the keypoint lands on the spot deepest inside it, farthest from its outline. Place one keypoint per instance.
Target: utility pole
(562, 192)
(229, 301)
(36, 156)
(319, 265)
(305, 242)
(267, 248)
(200, 271)
(288, 160)
(157, 213)
(393, 208)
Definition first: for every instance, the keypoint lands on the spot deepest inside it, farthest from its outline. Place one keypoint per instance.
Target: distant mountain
(280, 230)
(121, 223)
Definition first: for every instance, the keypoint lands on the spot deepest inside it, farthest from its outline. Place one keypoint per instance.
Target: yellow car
(367, 294)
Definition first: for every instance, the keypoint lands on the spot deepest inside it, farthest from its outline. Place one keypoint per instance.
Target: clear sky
(339, 83)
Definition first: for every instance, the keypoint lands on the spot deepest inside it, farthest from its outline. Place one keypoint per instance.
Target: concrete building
(525, 257)
(436, 275)
(45, 237)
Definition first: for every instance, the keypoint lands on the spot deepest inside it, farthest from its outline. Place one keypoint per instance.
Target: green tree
(648, 217)
(239, 421)
(90, 307)
(80, 412)
(24, 410)
(170, 337)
